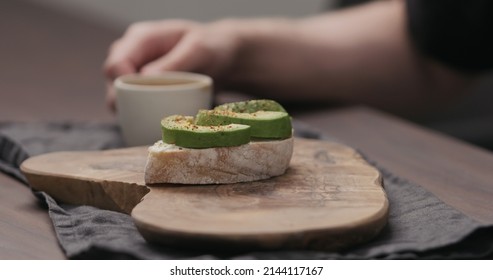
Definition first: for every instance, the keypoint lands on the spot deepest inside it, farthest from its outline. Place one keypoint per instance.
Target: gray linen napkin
(419, 226)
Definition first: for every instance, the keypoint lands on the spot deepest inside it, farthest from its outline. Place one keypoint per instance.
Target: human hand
(171, 45)
(357, 55)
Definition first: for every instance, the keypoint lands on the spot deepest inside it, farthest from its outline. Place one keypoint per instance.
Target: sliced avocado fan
(183, 132)
(230, 124)
(264, 124)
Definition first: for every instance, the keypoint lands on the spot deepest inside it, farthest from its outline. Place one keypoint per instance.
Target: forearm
(360, 55)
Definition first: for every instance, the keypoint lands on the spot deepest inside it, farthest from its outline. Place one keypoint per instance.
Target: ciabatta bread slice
(257, 160)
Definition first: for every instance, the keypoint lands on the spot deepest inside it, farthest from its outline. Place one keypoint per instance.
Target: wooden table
(458, 173)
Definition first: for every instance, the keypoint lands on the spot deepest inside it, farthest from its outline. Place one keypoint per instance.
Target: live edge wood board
(330, 198)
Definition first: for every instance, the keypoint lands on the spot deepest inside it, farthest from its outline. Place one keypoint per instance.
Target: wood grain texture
(112, 179)
(330, 198)
(458, 173)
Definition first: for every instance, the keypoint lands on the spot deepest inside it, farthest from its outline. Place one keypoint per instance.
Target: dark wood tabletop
(61, 80)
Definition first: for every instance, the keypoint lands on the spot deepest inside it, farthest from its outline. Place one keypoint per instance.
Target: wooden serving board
(329, 199)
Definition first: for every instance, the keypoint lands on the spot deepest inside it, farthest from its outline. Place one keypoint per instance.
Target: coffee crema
(159, 82)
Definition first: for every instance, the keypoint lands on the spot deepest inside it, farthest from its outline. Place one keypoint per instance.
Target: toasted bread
(256, 160)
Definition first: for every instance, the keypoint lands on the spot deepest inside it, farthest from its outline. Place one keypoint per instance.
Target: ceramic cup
(142, 101)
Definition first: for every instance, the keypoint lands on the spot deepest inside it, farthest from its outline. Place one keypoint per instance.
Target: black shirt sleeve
(458, 33)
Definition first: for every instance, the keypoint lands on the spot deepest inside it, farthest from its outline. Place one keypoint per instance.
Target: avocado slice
(183, 132)
(264, 124)
(251, 106)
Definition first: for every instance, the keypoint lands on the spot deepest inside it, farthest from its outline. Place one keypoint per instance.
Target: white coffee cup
(142, 101)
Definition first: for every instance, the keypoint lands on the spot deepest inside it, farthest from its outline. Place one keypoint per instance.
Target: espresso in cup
(157, 81)
(142, 101)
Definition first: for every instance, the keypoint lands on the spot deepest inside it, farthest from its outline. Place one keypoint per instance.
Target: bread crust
(257, 160)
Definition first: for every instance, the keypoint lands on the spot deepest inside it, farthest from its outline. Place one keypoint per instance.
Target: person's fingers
(110, 96)
(190, 54)
(119, 69)
(111, 73)
(142, 43)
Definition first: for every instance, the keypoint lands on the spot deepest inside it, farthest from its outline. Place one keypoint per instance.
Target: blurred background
(58, 47)
(120, 13)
